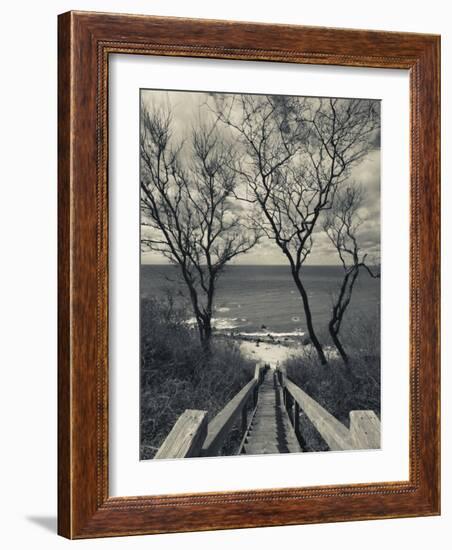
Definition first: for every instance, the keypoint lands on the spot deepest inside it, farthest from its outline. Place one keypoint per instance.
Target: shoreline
(266, 349)
(268, 353)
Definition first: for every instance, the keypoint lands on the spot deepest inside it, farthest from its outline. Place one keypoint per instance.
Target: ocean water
(263, 299)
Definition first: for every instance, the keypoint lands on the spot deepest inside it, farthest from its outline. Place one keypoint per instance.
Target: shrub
(337, 387)
(176, 376)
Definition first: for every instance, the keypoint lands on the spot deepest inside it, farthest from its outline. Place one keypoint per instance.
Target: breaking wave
(275, 335)
(220, 323)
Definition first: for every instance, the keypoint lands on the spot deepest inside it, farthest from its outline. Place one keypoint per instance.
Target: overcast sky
(186, 107)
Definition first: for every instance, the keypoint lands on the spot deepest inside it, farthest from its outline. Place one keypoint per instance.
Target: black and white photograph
(224, 235)
(223, 250)
(260, 274)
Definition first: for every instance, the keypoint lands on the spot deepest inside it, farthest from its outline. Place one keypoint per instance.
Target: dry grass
(175, 376)
(341, 388)
(337, 387)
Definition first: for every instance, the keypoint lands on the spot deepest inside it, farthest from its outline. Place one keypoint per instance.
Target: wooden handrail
(364, 430)
(192, 436)
(186, 437)
(335, 434)
(219, 427)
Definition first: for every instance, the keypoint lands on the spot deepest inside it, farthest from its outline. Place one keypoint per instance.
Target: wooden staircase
(270, 430)
(268, 410)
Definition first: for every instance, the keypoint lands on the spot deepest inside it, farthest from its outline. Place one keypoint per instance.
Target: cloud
(186, 108)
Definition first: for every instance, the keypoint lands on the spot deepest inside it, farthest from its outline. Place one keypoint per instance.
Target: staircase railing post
(244, 419)
(259, 374)
(296, 417)
(364, 430)
(255, 397)
(186, 437)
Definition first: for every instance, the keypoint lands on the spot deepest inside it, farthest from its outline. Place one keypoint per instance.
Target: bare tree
(342, 224)
(298, 151)
(188, 213)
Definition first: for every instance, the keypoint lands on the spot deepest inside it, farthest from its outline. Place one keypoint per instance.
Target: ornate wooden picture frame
(86, 40)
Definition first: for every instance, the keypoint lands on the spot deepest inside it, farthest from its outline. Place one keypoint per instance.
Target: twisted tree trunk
(307, 310)
(340, 308)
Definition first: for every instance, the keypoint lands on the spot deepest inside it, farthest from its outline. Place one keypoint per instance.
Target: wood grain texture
(85, 42)
(64, 295)
(270, 431)
(226, 418)
(186, 437)
(365, 430)
(335, 434)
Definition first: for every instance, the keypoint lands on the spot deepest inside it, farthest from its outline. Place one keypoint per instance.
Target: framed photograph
(248, 275)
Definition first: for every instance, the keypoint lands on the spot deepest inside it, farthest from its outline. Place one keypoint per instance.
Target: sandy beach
(275, 353)
(268, 353)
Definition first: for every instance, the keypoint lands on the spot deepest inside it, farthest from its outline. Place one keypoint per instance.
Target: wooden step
(271, 431)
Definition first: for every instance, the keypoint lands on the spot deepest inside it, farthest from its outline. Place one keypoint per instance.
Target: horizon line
(251, 265)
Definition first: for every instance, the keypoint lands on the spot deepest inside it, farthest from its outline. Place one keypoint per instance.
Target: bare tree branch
(342, 224)
(187, 191)
(297, 153)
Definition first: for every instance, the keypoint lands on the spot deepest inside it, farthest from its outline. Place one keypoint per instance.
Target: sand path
(268, 353)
